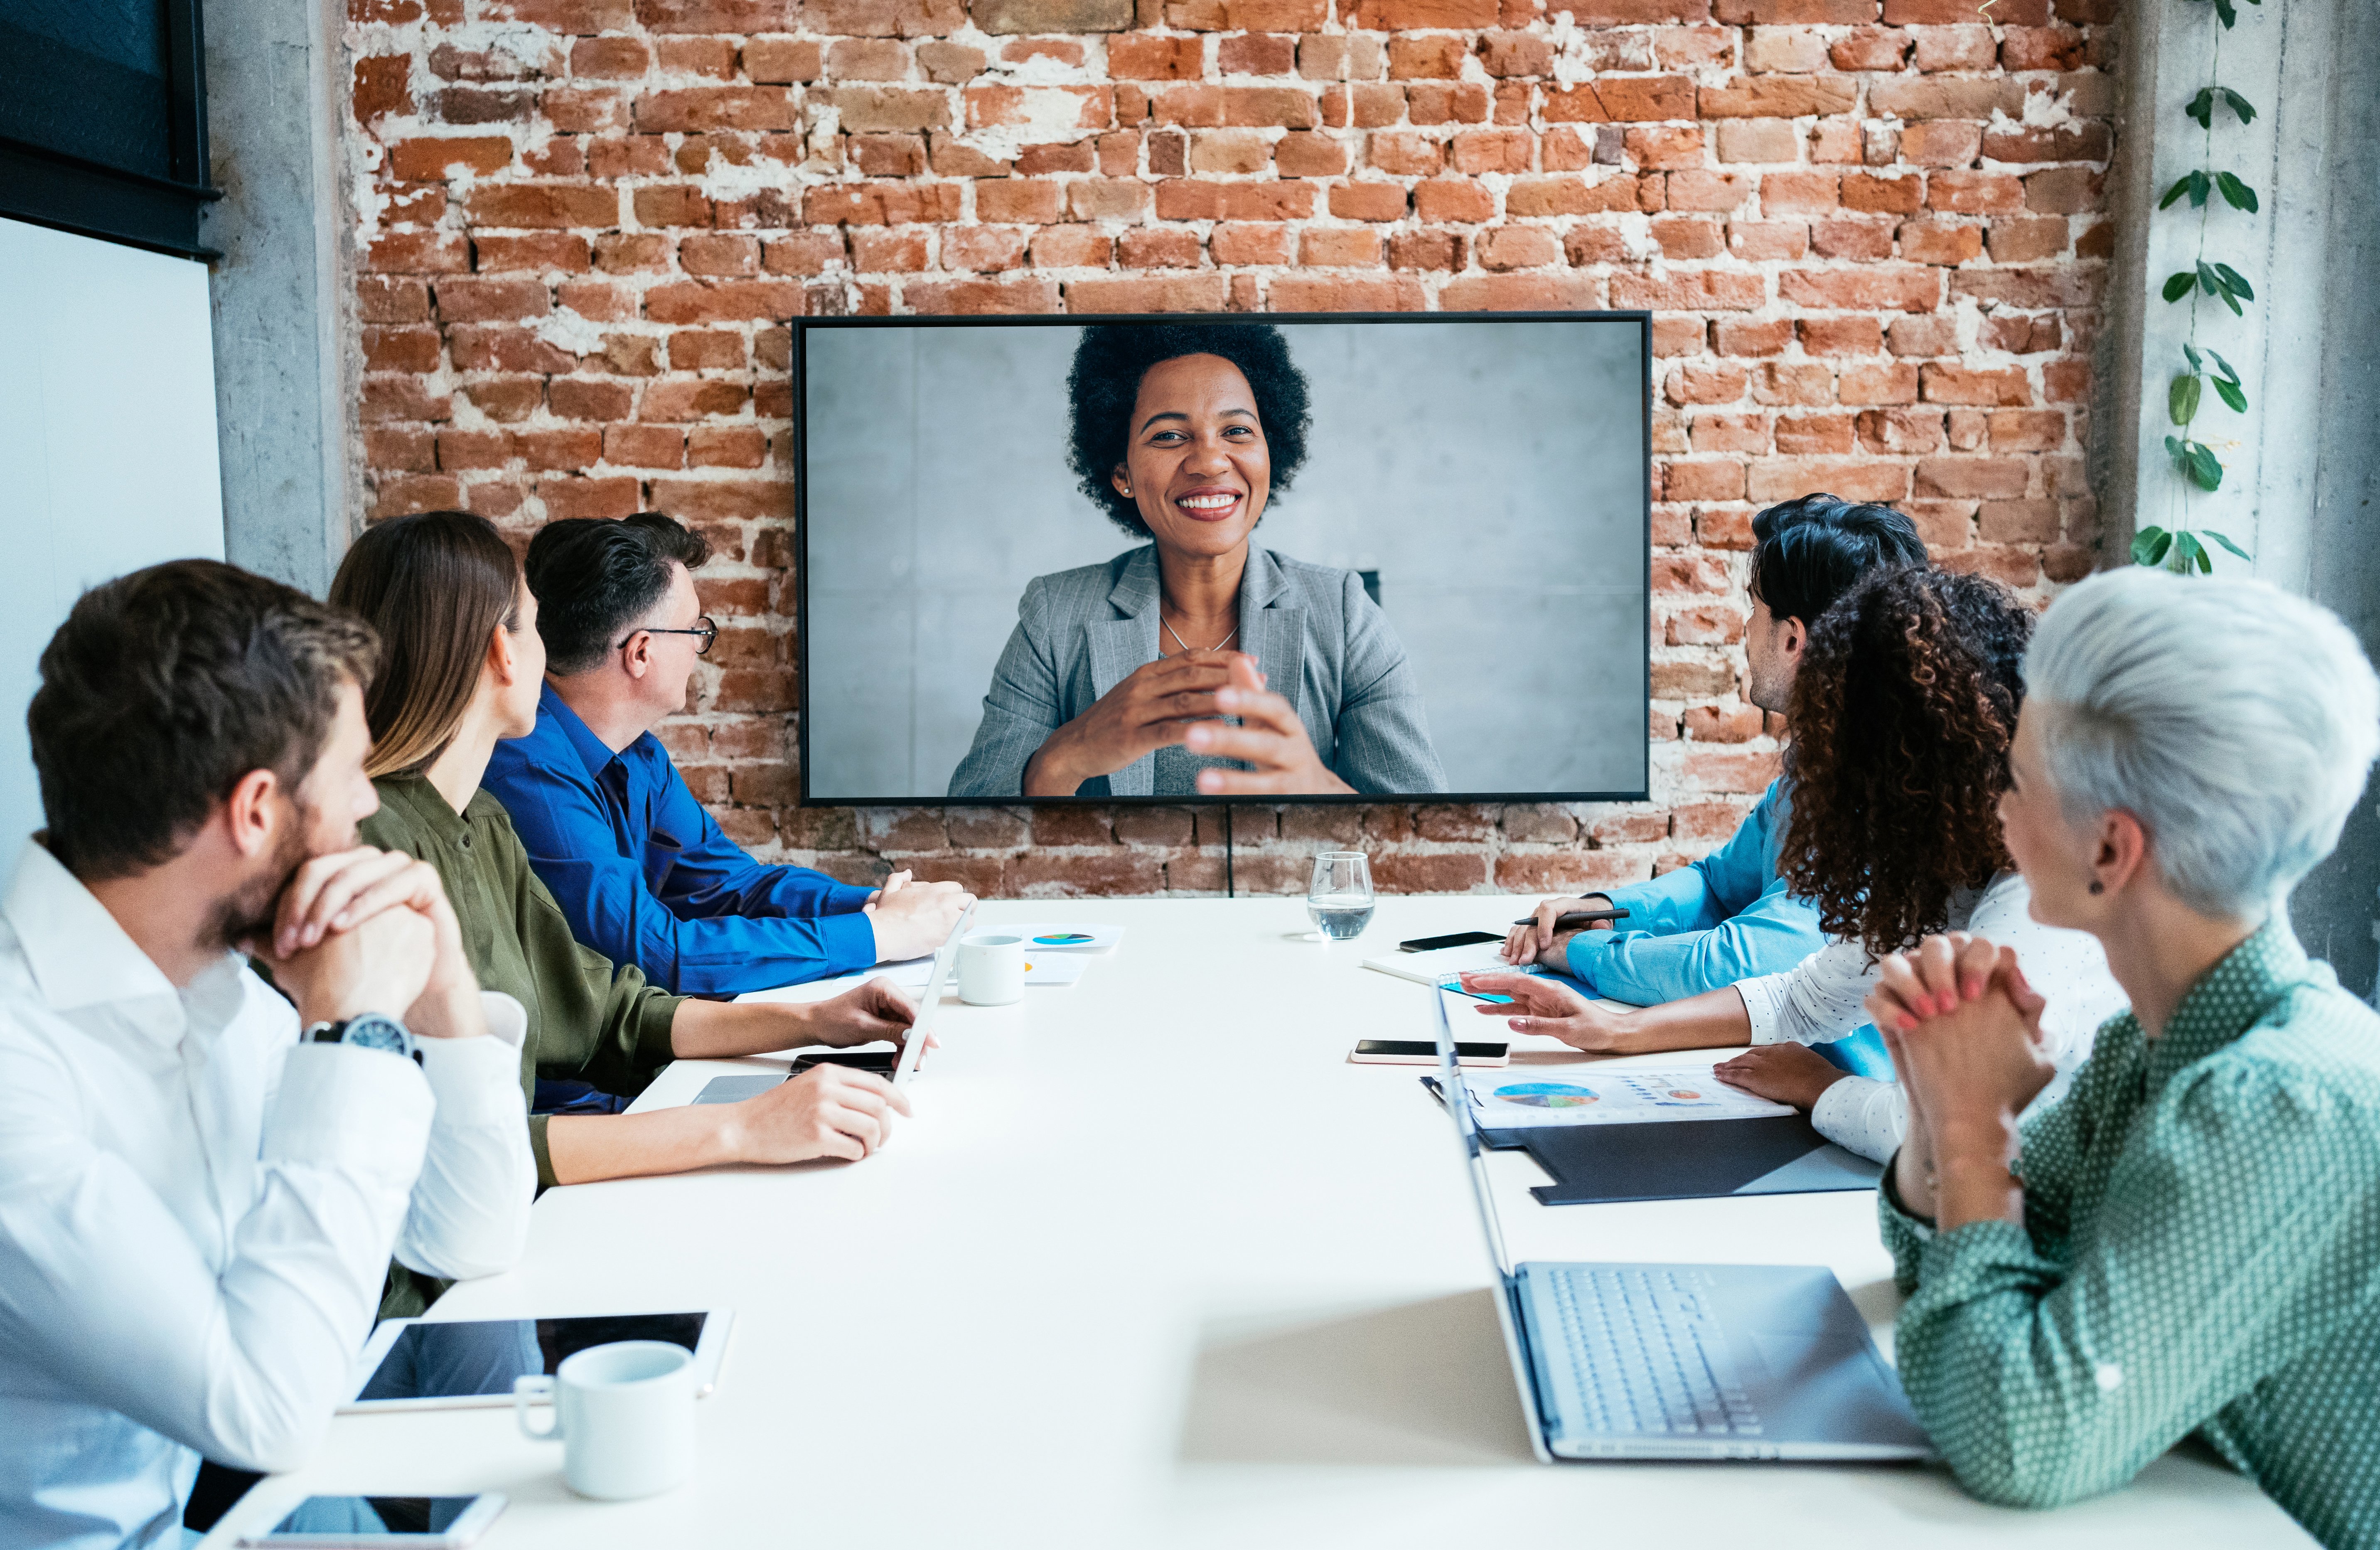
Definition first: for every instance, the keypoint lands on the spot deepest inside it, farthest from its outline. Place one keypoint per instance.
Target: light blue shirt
(1712, 923)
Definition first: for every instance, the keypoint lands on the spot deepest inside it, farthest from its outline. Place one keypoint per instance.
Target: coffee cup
(624, 1414)
(991, 969)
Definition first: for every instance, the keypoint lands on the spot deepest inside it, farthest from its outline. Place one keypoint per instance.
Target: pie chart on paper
(1545, 1095)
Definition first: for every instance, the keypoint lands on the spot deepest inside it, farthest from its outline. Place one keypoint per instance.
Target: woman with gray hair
(2189, 1241)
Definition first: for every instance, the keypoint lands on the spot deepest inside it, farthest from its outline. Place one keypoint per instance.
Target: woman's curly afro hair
(1903, 712)
(1105, 384)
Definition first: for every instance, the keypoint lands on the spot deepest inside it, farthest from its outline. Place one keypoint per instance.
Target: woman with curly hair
(1902, 714)
(1117, 677)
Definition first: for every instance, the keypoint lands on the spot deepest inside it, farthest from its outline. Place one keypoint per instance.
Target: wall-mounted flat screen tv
(1031, 550)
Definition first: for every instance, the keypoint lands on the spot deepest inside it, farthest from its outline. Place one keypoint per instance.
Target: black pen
(1581, 915)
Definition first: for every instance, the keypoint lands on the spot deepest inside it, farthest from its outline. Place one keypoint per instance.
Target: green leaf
(2231, 279)
(2228, 545)
(2229, 392)
(2239, 104)
(2178, 285)
(2226, 14)
(2187, 552)
(2207, 280)
(2189, 353)
(2180, 187)
(2200, 187)
(2223, 366)
(2181, 399)
(2149, 545)
(2204, 471)
(2235, 193)
(2202, 107)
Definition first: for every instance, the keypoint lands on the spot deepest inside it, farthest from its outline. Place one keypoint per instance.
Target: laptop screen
(913, 1049)
(1466, 1130)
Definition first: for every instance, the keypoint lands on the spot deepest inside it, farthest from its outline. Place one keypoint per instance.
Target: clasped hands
(1964, 1029)
(1179, 700)
(364, 930)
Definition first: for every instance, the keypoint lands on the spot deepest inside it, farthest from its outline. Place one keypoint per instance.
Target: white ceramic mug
(991, 969)
(624, 1414)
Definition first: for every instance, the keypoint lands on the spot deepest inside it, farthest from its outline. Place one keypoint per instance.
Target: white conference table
(1153, 1266)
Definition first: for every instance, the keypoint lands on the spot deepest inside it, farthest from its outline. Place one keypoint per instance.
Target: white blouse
(1818, 1001)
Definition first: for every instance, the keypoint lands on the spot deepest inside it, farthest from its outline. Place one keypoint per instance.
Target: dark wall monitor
(1439, 523)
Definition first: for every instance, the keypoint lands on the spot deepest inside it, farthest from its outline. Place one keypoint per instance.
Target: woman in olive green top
(2190, 1242)
(461, 665)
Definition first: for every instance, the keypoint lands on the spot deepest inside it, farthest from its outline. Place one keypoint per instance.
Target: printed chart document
(1432, 968)
(1510, 1102)
(1048, 938)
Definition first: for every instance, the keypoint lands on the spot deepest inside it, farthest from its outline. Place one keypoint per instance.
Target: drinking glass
(1340, 897)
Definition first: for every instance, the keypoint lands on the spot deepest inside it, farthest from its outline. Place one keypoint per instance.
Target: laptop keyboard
(1649, 1357)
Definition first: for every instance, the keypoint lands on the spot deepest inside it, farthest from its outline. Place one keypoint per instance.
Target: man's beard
(246, 918)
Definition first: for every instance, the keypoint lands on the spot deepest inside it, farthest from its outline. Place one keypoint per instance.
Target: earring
(2098, 887)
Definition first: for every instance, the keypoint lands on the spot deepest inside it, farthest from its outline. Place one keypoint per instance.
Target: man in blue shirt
(641, 870)
(1727, 917)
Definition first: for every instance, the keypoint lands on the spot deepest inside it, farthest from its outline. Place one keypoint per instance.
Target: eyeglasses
(704, 625)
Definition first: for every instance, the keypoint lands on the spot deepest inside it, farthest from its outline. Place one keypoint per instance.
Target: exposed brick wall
(1871, 230)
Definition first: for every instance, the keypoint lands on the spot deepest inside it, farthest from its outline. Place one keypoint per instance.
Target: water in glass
(1340, 901)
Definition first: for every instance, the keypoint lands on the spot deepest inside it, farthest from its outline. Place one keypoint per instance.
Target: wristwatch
(370, 1031)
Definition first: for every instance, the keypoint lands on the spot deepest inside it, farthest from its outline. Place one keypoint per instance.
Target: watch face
(375, 1031)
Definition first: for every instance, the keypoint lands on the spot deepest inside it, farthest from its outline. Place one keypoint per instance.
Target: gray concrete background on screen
(1491, 472)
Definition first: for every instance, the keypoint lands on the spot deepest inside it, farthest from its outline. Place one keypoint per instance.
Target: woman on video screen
(1125, 679)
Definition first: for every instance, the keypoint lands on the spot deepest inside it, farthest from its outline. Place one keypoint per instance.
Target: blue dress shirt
(646, 877)
(1711, 922)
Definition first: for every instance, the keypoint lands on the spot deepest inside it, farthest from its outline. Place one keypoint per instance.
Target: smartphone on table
(1424, 1052)
(1452, 939)
(420, 1522)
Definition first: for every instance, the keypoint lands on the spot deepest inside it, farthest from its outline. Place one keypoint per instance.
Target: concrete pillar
(2301, 468)
(287, 356)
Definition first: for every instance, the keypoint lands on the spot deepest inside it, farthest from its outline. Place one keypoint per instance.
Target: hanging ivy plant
(2183, 547)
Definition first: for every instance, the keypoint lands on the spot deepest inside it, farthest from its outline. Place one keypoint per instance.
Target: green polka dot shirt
(2201, 1253)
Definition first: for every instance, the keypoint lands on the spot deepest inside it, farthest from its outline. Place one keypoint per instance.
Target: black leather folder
(1684, 1159)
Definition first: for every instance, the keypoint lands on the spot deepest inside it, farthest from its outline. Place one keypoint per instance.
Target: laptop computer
(884, 1063)
(1682, 1362)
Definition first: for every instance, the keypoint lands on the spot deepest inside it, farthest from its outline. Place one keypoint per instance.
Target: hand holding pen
(1544, 935)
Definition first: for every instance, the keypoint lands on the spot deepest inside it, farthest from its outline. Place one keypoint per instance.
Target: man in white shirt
(198, 1201)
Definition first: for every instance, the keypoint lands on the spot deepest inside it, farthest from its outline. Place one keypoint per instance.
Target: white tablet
(433, 1364)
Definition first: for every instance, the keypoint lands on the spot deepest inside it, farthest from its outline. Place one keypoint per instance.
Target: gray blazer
(1316, 636)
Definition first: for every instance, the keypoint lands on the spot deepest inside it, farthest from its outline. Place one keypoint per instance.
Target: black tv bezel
(800, 373)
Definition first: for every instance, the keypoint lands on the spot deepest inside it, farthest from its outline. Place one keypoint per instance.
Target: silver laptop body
(1682, 1360)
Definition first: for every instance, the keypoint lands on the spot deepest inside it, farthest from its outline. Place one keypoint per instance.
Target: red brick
(1940, 242)
(1158, 248)
(542, 205)
(578, 399)
(1071, 247)
(1777, 97)
(434, 161)
(1689, 290)
(1142, 57)
(723, 301)
(983, 297)
(1369, 202)
(1778, 479)
(1970, 478)
(1744, 336)
(1903, 288)
(1959, 384)
(1347, 293)
(1574, 196)
(1187, 293)
(1892, 383)
(1459, 199)
(381, 87)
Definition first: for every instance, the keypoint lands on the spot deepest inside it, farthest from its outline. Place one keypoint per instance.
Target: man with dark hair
(1728, 917)
(201, 1187)
(642, 871)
